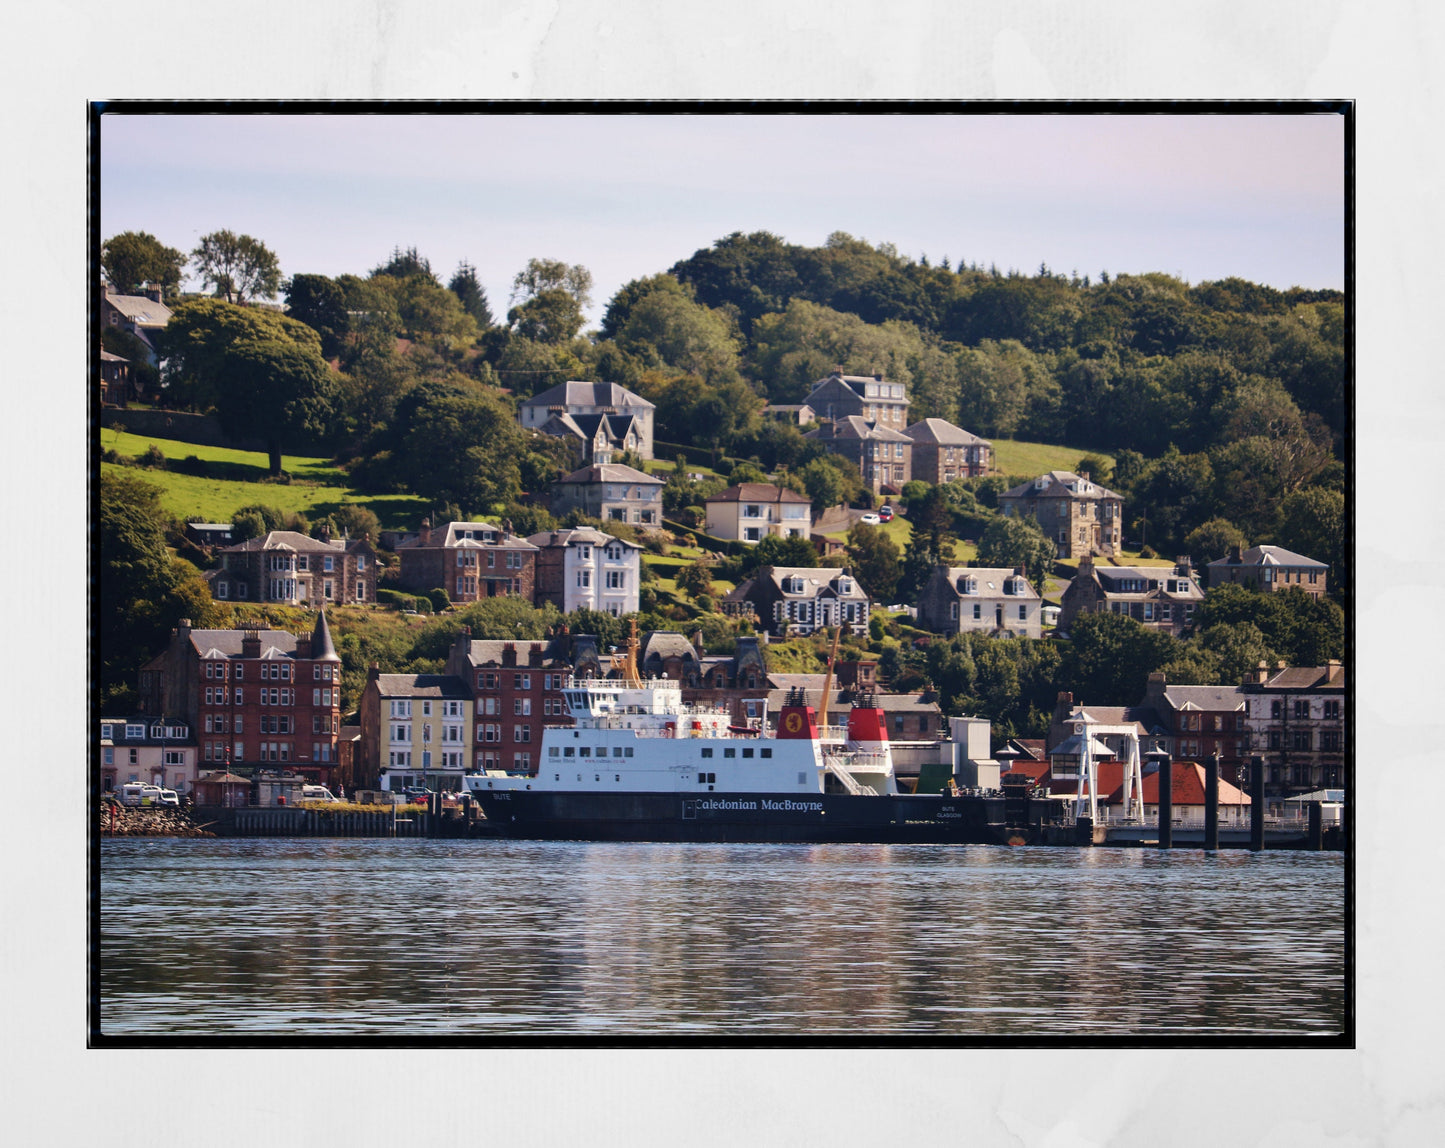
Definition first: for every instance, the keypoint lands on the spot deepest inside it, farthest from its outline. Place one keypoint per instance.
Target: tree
(404, 264)
(1013, 542)
(777, 551)
(1212, 540)
(237, 266)
(552, 316)
(824, 484)
(276, 390)
(468, 289)
(453, 443)
(552, 275)
(1312, 523)
(875, 560)
(696, 578)
(320, 303)
(134, 258)
(931, 543)
(1111, 656)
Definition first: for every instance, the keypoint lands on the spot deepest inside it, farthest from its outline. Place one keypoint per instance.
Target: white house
(586, 569)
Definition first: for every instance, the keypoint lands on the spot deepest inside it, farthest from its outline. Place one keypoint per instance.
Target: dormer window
(968, 585)
(845, 585)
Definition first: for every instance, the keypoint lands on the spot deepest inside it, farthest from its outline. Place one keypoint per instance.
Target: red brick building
(517, 690)
(252, 697)
(294, 569)
(469, 560)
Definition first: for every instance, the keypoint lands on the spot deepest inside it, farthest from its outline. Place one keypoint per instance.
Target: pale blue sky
(1201, 196)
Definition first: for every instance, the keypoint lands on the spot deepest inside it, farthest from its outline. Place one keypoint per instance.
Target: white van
(141, 793)
(169, 797)
(317, 793)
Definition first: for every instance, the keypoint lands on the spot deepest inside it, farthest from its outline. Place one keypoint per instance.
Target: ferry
(639, 764)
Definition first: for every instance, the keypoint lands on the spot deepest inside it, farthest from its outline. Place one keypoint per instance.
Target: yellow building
(750, 511)
(415, 731)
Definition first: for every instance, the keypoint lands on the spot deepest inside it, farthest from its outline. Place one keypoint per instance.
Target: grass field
(1011, 457)
(316, 488)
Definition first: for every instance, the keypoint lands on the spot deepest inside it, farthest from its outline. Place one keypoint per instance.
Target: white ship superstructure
(640, 737)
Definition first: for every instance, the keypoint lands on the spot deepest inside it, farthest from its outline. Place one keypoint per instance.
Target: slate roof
(666, 644)
(293, 540)
(451, 538)
(1305, 678)
(422, 686)
(814, 579)
(757, 492)
(1269, 556)
(610, 472)
(488, 651)
(1205, 697)
(215, 644)
(575, 393)
(944, 433)
(857, 427)
(1058, 486)
(581, 534)
(990, 580)
(141, 310)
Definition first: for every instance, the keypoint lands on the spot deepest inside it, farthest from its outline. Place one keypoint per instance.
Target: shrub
(191, 465)
(395, 598)
(153, 458)
(422, 604)
(438, 599)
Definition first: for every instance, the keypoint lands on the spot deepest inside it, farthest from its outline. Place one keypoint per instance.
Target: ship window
(747, 753)
(596, 777)
(627, 752)
(707, 753)
(555, 777)
(802, 778)
(585, 751)
(569, 751)
(730, 752)
(616, 751)
(601, 751)
(552, 751)
(767, 753)
(617, 777)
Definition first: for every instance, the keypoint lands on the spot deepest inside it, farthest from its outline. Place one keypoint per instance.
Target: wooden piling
(1317, 827)
(1211, 802)
(1084, 832)
(1256, 803)
(1166, 797)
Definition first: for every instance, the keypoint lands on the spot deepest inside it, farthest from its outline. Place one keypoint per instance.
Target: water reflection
(308, 937)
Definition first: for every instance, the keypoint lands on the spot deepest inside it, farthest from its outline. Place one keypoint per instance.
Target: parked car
(317, 793)
(885, 513)
(417, 793)
(870, 518)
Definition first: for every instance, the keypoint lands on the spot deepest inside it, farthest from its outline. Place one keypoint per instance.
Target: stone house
(143, 315)
(797, 600)
(1269, 569)
(611, 492)
(586, 569)
(1081, 516)
(871, 398)
(883, 456)
(1202, 720)
(943, 452)
(796, 414)
(1296, 722)
(288, 567)
(469, 560)
(750, 511)
(115, 388)
(264, 697)
(991, 600)
(572, 410)
(1161, 598)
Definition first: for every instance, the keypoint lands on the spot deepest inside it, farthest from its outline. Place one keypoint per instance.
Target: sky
(1198, 196)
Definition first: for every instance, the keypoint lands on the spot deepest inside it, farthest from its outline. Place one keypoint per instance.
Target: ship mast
(630, 672)
(828, 681)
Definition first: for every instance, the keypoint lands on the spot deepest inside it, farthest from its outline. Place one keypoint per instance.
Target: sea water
(472, 940)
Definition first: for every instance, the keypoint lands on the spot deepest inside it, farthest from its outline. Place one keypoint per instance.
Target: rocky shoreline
(148, 821)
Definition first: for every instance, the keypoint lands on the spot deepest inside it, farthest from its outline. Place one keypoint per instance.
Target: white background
(1385, 55)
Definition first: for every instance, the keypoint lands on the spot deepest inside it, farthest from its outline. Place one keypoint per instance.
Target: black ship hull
(761, 817)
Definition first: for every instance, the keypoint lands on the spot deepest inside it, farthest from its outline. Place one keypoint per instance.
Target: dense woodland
(1222, 404)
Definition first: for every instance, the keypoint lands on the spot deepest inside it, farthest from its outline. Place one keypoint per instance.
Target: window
(616, 579)
(730, 752)
(707, 753)
(360, 563)
(767, 753)
(977, 611)
(1301, 709)
(1023, 613)
(1332, 711)
(1301, 739)
(521, 707)
(328, 563)
(1276, 709)
(521, 733)
(134, 731)
(1330, 740)
(584, 579)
